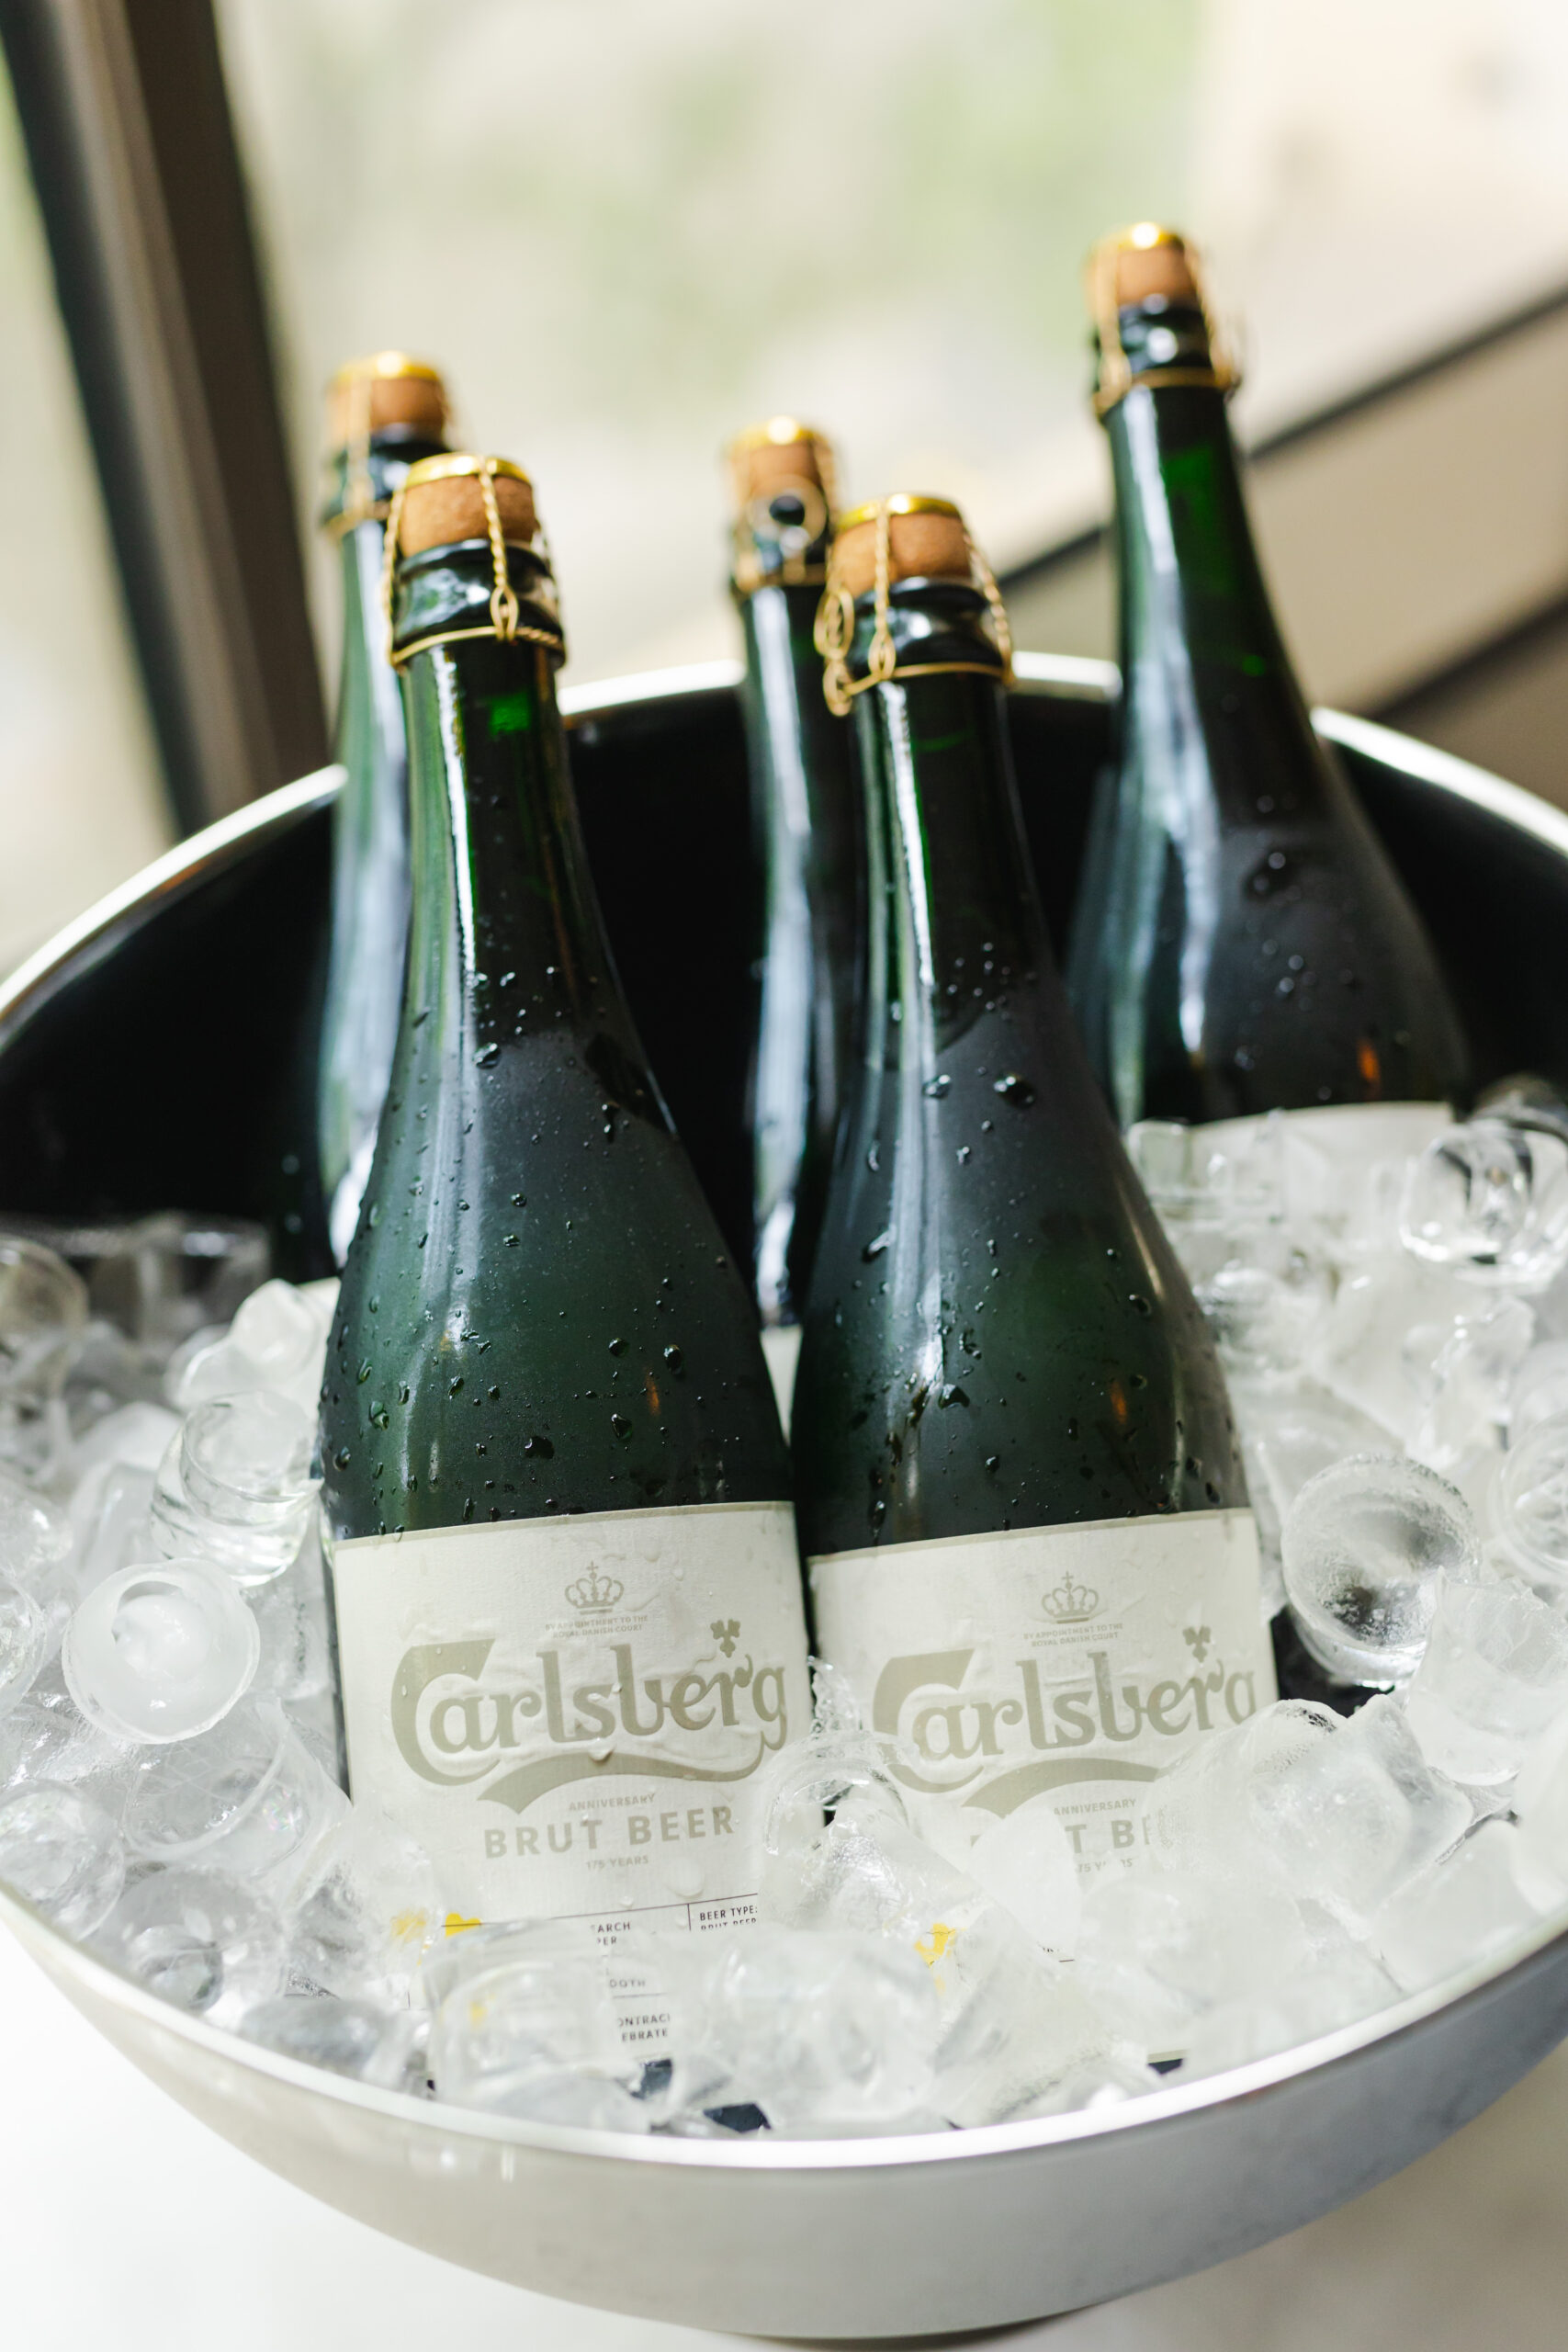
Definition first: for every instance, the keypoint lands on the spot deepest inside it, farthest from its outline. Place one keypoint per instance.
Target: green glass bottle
(1241, 942)
(806, 824)
(384, 414)
(1016, 1474)
(567, 1591)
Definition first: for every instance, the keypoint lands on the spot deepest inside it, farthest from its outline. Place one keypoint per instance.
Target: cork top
(1133, 277)
(781, 456)
(926, 540)
(387, 391)
(444, 503)
(1146, 261)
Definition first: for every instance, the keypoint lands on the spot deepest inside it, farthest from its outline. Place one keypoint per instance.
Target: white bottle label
(570, 1714)
(1073, 1664)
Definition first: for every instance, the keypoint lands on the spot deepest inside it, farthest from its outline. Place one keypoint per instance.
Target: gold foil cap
(456, 498)
(782, 454)
(385, 389)
(443, 502)
(926, 540)
(1143, 264)
(874, 547)
(781, 458)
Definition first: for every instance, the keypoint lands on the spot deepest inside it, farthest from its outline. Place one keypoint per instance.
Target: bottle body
(370, 893)
(1241, 942)
(1018, 1481)
(393, 410)
(565, 1580)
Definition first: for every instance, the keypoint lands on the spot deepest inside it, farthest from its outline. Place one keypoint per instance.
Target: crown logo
(1069, 1603)
(594, 1591)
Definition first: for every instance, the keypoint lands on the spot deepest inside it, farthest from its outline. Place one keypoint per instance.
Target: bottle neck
(506, 945)
(1201, 654)
(954, 924)
(1188, 569)
(369, 726)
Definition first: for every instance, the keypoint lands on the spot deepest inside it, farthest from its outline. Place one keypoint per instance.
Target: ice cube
(1463, 1373)
(1205, 1815)
(24, 1642)
(1352, 1818)
(138, 1434)
(237, 1487)
(246, 1796)
(112, 1513)
(355, 2038)
(1539, 1388)
(160, 1653)
(1461, 1911)
(1540, 1803)
(1289, 1430)
(164, 1277)
(291, 1617)
(365, 1909)
(1494, 1674)
(44, 1737)
(36, 1537)
(1530, 1503)
(62, 1853)
(818, 2028)
(1264, 1309)
(1025, 1862)
(1160, 1948)
(1490, 1202)
(1013, 2022)
(197, 1939)
(277, 1341)
(1363, 1545)
(529, 2029)
(43, 1314)
(1359, 1350)
(1321, 1999)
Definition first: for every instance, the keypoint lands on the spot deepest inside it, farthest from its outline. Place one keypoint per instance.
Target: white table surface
(125, 2226)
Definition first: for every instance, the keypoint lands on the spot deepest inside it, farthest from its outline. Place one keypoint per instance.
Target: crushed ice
(1394, 1329)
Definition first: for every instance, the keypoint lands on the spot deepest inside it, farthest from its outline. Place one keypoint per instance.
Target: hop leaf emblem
(726, 1632)
(1198, 1640)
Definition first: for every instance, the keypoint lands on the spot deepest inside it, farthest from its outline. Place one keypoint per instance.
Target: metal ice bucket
(150, 1058)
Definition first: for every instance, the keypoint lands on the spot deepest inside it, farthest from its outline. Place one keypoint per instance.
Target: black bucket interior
(175, 1068)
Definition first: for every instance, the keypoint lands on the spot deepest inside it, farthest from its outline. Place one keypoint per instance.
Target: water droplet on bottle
(964, 1151)
(935, 1088)
(453, 1386)
(486, 1055)
(341, 1459)
(951, 1393)
(380, 1417)
(617, 1347)
(875, 1248)
(363, 1374)
(539, 1445)
(1136, 1300)
(621, 1426)
(1014, 1089)
(674, 1357)
(992, 1460)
